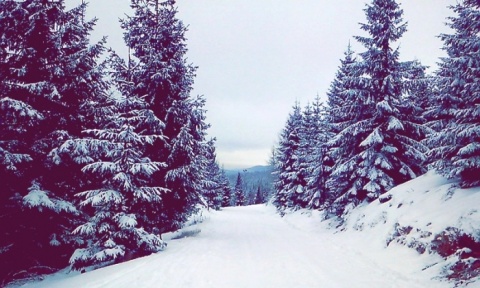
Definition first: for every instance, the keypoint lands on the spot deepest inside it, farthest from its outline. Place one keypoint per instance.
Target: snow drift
(430, 214)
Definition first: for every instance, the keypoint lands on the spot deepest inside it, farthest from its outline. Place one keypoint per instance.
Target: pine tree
(288, 183)
(213, 183)
(378, 146)
(319, 163)
(259, 197)
(162, 76)
(238, 192)
(454, 113)
(339, 115)
(50, 81)
(186, 165)
(304, 157)
(227, 191)
(122, 219)
(340, 90)
(421, 87)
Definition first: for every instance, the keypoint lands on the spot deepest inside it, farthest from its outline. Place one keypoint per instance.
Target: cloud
(245, 158)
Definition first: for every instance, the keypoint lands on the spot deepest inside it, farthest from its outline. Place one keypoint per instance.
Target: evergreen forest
(384, 121)
(100, 155)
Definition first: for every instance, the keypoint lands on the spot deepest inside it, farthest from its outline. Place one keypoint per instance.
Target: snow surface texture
(429, 202)
(422, 214)
(253, 247)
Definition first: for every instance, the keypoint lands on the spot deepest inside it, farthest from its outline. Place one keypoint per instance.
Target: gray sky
(257, 57)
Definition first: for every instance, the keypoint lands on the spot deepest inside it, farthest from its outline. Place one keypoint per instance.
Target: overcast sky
(257, 57)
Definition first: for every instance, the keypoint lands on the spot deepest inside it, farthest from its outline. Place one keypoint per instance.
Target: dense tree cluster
(98, 158)
(385, 121)
(254, 184)
(100, 155)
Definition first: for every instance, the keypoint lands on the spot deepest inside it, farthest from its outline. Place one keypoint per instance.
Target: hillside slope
(431, 215)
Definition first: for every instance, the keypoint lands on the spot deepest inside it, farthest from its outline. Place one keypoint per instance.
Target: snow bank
(252, 246)
(432, 215)
(408, 238)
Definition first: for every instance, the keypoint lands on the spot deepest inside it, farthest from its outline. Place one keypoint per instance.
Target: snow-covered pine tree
(340, 89)
(239, 194)
(24, 81)
(123, 219)
(186, 163)
(259, 196)
(156, 38)
(421, 87)
(83, 91)
(227, 190)
(288, 183)
(455, 112)
(213, 181)
(49, 80)
(339, 116)
(318, 162)
(162, 76)
(378, 146)
(304, 158)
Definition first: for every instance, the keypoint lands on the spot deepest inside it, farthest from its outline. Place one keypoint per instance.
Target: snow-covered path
(247, 247)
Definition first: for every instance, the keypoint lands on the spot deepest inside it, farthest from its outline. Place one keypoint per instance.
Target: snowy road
(247, 247)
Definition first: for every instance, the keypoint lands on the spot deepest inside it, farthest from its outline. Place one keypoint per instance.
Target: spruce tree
(186, 165)
(50, 82)
(288, 182)
(378, 146)
(304, 158)
(122, 212)
(455, 105)
(421, 86)
(213, 180)
(162, 76)
(239, 194)
(227, 191)
(339, 115)
(259, 197)
(319, 162)
(339, 91)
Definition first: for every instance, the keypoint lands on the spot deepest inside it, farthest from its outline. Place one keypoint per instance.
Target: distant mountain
(254, 169)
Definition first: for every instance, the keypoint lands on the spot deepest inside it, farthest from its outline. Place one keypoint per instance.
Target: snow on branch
(145, 168)
(110, 253)
(153, 241)
(100, 197)
(38, 198)
(383, 162)
(20, 109)
(9, 160)
(125, 220)
(101, 167)
(373, 138)
(85, 229)
(384, 106)
(372, 186)
(150, 194)
(470, 149)
(80, 255)
(394, 124)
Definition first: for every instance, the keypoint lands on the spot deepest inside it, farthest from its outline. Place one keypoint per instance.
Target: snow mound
(432, 215)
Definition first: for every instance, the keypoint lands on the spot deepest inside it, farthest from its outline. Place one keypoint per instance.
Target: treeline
(385, 121)
(99, 155)
(255, 185)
